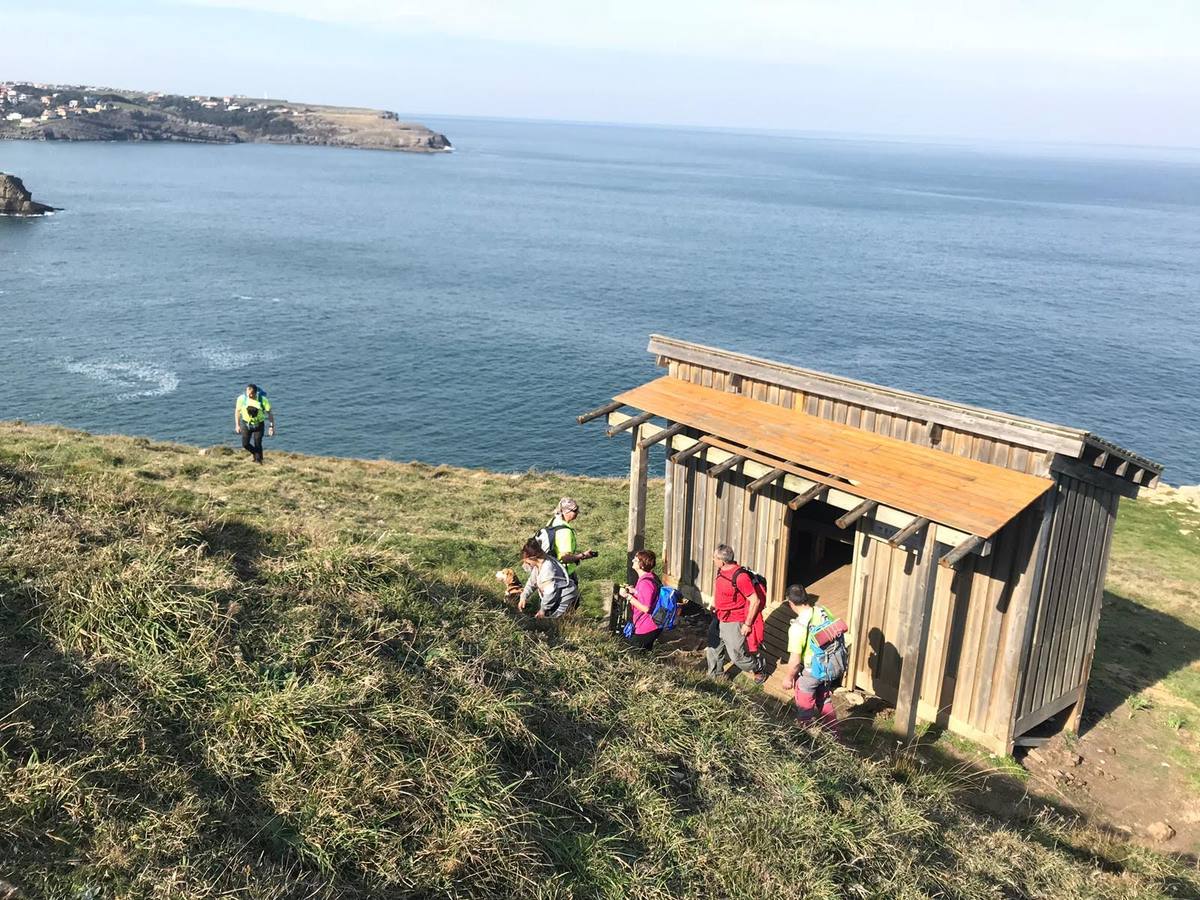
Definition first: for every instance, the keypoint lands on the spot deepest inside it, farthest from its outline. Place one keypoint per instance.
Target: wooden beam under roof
(770, 478)
(808, 496)
(598, 412)
(857, 513)
(970, 545)
(908, 531)
(688, 452)
(728, 464)
(635, 422)
(661, 435)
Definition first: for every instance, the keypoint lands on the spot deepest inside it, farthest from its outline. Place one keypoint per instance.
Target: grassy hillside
(300, 681)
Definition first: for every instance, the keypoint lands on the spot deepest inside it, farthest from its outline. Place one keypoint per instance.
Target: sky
(1058, 71)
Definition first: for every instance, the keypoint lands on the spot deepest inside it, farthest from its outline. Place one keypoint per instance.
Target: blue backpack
(666, 607)
(664, 612)
(827, 664)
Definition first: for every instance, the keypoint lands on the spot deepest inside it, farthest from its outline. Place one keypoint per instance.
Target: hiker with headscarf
(564, 543)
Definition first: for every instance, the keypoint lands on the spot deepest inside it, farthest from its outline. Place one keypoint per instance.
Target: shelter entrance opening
(820, 556)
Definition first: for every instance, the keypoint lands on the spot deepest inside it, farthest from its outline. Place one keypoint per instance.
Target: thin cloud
(784, 30)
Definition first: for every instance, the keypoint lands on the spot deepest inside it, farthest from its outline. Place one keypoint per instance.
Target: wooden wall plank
(1017, 654)
(1111, 503)
(1061, 672)
(1093, 564)
(1051, 624)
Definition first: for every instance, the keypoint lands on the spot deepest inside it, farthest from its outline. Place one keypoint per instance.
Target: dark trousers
(644, 641)
(252, 438)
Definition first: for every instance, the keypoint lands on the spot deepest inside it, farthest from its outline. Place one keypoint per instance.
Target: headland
(46, 112)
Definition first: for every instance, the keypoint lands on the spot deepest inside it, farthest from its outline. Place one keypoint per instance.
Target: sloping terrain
(300, 681)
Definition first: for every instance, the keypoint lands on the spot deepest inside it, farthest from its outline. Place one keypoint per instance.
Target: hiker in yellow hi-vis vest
(251, 412)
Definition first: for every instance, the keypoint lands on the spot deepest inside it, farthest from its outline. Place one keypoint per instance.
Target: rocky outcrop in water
(15, 200)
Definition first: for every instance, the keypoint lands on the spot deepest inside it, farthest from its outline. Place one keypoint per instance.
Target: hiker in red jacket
(735, 607)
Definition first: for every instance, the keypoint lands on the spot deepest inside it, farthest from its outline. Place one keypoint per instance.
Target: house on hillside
(966, 548)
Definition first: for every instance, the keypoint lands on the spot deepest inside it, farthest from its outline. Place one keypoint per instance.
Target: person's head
(723, 555)
(252, 391)
(532, 554)
(568, 509)
(797, 597)
(644, 561)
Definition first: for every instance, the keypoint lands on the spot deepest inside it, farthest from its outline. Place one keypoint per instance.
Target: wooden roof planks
(965, 494)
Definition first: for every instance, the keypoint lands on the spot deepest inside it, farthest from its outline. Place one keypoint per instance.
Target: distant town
(32, 111)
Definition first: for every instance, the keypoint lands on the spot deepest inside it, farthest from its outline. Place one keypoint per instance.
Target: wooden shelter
(966, 548)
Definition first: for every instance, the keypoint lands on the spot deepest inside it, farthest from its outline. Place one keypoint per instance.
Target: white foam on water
(223, 359)
(132, 380)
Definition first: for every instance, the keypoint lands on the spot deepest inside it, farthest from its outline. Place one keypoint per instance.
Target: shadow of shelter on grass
(1137, 648)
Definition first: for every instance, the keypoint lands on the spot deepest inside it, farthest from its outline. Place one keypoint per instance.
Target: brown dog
(512, 585)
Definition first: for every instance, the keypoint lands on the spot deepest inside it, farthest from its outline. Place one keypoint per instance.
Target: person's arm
(794, 665)
(237, 418)
(752, 601)
(527, 592)
(271, 422)
(797, 642)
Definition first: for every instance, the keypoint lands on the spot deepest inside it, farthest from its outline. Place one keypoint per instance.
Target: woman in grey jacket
(558, 592)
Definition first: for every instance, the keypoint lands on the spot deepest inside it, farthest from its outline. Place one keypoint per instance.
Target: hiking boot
(759, 678)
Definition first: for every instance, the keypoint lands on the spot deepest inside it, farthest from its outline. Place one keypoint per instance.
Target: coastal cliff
(72, 113)
(15, 199)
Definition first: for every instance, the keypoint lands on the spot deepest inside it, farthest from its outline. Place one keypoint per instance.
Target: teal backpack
(827, 664)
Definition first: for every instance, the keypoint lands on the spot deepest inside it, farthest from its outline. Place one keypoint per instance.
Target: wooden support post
(612, 604)
(635, 422)
(639, 456)
(598, 412)
(664, 558)
(770, 478)
(728, 464)
(689, 452)
(855, 514)
(663, 434)
(817, 490)
(971, 544)
(908, 531)
(915, 636)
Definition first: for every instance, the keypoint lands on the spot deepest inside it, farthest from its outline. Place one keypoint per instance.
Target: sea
(464, 308)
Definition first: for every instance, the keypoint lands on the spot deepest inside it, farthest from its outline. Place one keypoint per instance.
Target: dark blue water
(464, 308)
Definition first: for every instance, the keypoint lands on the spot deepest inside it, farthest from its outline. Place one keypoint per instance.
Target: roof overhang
(898, 483)
(1074, 443)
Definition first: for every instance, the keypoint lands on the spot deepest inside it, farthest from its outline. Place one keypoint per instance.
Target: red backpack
(759, 582)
